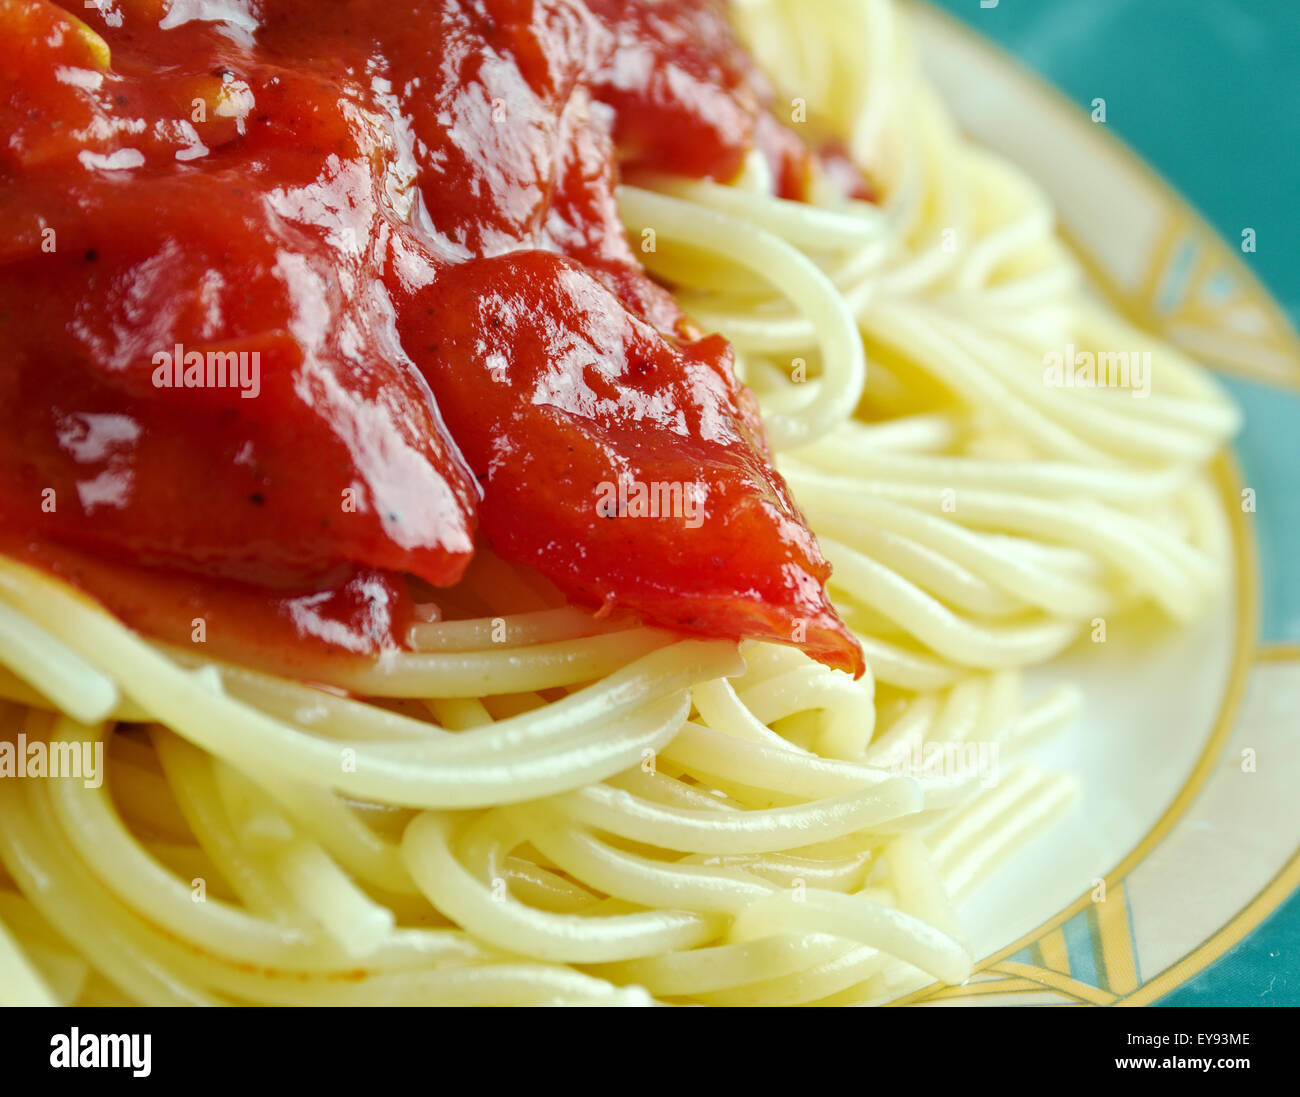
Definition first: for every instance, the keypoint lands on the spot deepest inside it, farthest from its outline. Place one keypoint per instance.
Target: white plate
(1190, 847)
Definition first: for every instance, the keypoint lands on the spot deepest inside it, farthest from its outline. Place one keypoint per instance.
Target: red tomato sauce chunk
(302, 299)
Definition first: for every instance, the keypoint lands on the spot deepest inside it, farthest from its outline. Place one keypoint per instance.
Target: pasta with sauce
(534, 800)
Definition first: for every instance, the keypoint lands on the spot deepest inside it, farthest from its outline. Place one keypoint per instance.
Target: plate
(1185, 835)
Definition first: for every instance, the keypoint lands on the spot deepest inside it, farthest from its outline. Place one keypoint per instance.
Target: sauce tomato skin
(405, 211)
(272, 245)
(569, 409)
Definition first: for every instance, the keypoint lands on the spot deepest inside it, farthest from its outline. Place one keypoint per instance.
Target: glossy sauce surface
(401, 216)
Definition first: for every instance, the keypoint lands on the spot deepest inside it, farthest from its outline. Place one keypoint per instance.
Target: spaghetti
(538, 804)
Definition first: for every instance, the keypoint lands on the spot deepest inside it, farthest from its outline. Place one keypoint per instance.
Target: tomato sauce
(298, 299)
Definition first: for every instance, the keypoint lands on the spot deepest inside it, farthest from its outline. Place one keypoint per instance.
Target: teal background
(1208, 93)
